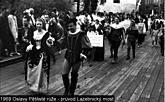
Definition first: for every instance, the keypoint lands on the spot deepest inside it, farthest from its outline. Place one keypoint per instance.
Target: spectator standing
(12, 19)
(5, 33)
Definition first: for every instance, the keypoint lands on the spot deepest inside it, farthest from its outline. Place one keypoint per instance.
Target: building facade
(114, 6)
(148, 5)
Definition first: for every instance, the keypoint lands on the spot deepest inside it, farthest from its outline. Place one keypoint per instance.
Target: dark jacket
(116, 34)
(132, 34)
(24, 39)
(74, 48)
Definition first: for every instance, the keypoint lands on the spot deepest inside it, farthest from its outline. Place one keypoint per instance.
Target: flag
(138, 4)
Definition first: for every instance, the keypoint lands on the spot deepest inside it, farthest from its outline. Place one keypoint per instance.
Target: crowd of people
(38, 37)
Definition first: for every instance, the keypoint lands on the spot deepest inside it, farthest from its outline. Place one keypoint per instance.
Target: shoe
(11, 54)
(74, 79)
(127, 58)
(6, 54)
(90, 65)
(162, 54)
(65, 78)
(111, 56)
(18, 53)
(1, 58)
(113, 62)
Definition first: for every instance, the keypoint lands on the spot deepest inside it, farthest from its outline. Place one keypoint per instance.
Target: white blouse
(38, 37)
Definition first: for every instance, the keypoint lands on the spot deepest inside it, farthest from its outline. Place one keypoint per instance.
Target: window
(116, 1)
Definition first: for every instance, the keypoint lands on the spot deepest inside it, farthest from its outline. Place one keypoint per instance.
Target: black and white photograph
(82, 50)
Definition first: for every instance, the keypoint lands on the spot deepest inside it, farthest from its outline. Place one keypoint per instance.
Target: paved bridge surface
(137, 80)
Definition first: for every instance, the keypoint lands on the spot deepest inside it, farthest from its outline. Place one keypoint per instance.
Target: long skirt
(99, 54)
(38, 74)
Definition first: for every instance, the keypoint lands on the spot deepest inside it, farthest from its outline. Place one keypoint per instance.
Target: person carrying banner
(117, 35)
(99, 52)
(108, 34)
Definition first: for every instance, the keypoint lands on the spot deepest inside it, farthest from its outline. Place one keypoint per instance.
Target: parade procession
(82, 50)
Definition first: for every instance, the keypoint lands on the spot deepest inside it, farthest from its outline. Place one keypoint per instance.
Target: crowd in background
(11, 37)
(10, 40)
(39, 38)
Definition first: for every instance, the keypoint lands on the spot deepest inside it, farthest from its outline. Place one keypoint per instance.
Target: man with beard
(73, 57)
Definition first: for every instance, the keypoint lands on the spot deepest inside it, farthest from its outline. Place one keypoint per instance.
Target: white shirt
(141, 28)
(13, 25)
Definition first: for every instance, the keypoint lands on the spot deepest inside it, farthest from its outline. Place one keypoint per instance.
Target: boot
(65, 79)
(127, 58)
(133, 52)
(74, 78)
(111, 56)
(128, 53)
(133, 55)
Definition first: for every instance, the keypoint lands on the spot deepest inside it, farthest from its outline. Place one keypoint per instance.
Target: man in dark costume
(73, 57)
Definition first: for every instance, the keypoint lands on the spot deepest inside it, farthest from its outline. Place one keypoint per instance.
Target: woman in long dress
(99, 52)
(38, 61)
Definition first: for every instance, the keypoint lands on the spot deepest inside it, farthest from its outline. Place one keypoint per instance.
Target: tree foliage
(38, 5)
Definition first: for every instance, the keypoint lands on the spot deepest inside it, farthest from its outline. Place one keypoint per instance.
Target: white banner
(124, 6)
(96, 40)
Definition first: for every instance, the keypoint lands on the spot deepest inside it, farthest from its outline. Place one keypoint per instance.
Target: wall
(122, 2)
(124, 6)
